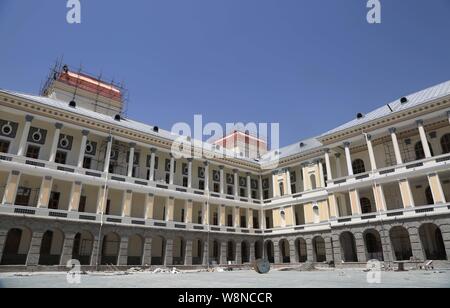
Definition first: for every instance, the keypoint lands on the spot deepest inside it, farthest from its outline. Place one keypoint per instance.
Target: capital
(347, 144)
(29, 118)
(85, 132)
(419, 122)
(392, 130)
(59, 125)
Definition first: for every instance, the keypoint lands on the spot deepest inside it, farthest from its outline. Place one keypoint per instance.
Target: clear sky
(310, 65)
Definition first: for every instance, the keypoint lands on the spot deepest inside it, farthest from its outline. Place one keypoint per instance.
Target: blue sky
(310, 65)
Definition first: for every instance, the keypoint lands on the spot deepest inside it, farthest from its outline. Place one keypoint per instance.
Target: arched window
(358, 166)
(316, 214)
(420, 153)
(366, 206)
(429, 196)
(313, 181)
(445, 144)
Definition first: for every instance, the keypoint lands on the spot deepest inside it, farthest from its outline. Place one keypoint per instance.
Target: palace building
(79, 180)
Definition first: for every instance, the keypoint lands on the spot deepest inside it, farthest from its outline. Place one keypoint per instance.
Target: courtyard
(237, 279)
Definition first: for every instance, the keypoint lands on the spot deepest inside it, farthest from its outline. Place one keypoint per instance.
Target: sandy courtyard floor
(237, 279)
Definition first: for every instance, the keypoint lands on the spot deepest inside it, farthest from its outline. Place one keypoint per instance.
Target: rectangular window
(82, 205)
(23, 196)
(243, 222)
(266, 194)
(4, 146)
(293, 189)
(108, 207)
(230, 220)
(33, 152)
(201, 184)
(230, 190)
(61, 157)
(185, 182)
(216, 187)
(215, 219)
(242, 192)
(53, 203)
(254, 194)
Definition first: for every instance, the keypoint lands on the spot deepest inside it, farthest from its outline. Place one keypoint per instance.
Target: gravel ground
(236, 279)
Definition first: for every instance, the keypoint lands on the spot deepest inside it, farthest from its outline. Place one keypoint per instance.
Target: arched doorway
(401, 243)
(285, 251)
(231, 252)
(374, 247)
(158, 250)
(51, 248)
(258, 250)
(17, 245)
(302, 250)
(110, 249)
(82, 247)
(432, 242)
(319, 249)
(270, 251)
(245, 252)
(348, 247)
(197, 252)
(135, 250)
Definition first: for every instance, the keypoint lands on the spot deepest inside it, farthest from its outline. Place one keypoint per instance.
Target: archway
(158, 250)
(270, 251)
(17, 245)
(135, 250)
(302, 250)
(110, 249)
(348, 247)
(284, 251)
(245, 252)
(51, 247)
(82, 247)
(401, 243)
(432, 242)
(374, 246)
(319, 249)
(231, 252)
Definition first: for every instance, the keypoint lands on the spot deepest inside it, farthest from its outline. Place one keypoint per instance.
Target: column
(223, 252)
(75, 195)
(360, 247)
(102, 199)
(398, 155)
(222, 182)
(252, 252)
(237, 217)
(416, 245)
(405, 191)
(126, 203)
(354, 202)
(261, 190)
(309, 250)
(292, 252)
(189, 172)
(147, 256)
(436, 188)
(222, 215)
(205, 214)
(249, 185)
(236, 182)
(35, 249)
(95, 252)
(206, 164)
(3, 235)
(337, 157)
(149, 206)
(131, 160)
(168, 258)
(250, 218)
(277, 253)
(321, 176)
(238, 253)
(262, 220)
(188, 253)
(45, 191)
(12, 184)
(54, 148)
(288, 182)
(108, 154)
(189, 211)
(152, 164)
(424, 139)
(205, 259)
(373, 162)
(170, 208)
(123, 252)
(172, 169)
(67, 249)
(380, 201)
(328, 165)
(85, 134)
(334, 212)
(24, 138)
(348, 158)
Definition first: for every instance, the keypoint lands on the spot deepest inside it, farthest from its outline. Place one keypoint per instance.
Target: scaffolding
(98, 86)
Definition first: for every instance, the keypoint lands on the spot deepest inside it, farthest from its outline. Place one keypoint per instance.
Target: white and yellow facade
(80, 183)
